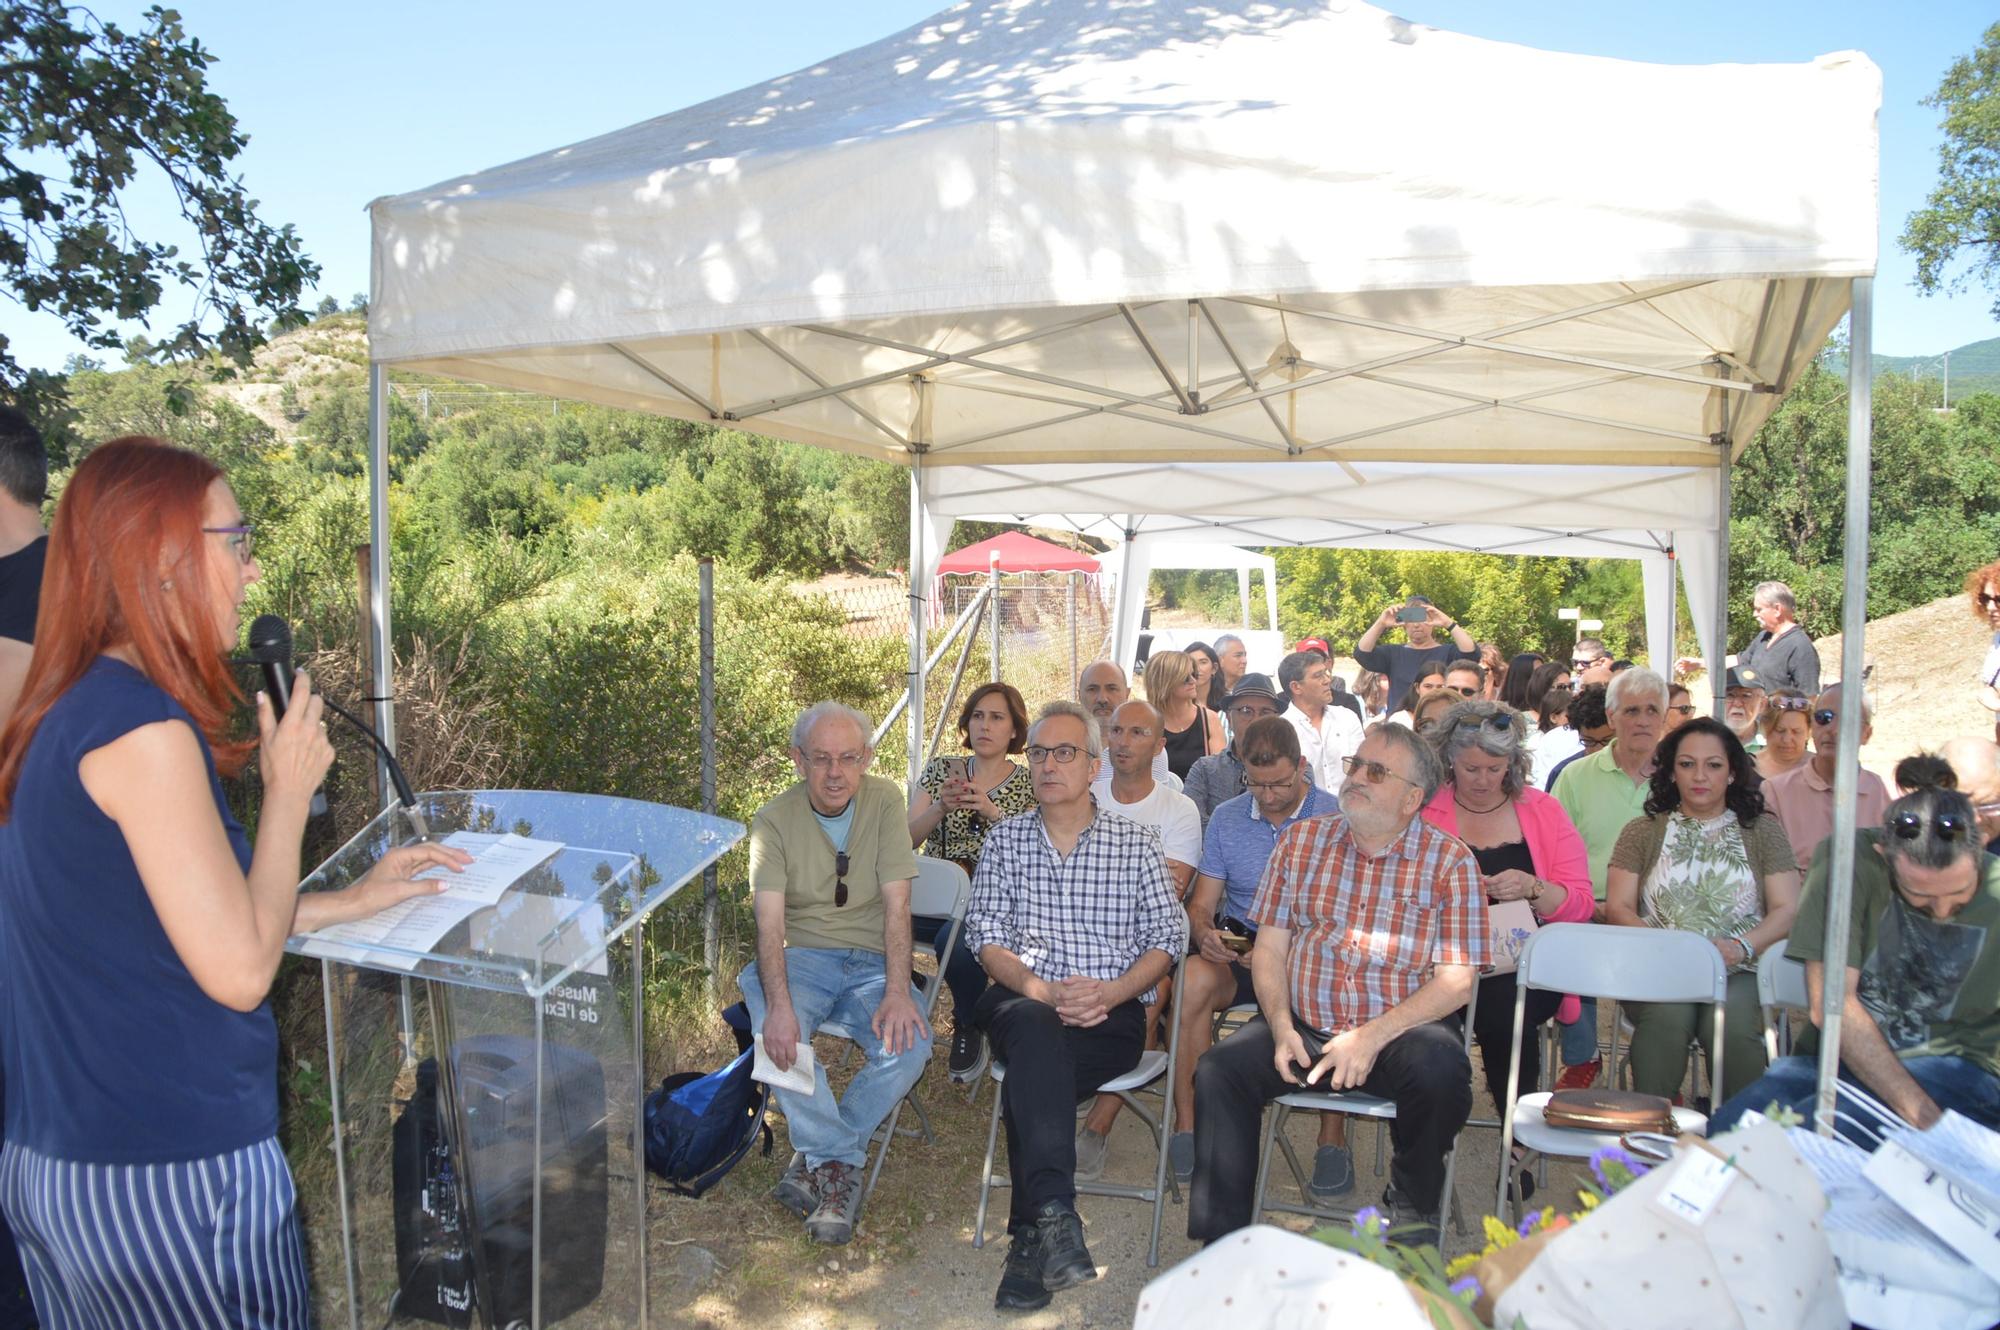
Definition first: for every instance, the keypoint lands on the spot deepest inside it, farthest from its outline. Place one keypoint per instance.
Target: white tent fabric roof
(1056, 230)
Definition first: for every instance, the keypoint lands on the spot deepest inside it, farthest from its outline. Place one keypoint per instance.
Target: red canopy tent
(1019, 553)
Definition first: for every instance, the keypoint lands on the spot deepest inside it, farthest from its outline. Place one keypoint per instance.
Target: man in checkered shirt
(1073, 916)
(1371, 933)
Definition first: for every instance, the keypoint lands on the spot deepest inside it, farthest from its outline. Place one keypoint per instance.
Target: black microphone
(271, 648)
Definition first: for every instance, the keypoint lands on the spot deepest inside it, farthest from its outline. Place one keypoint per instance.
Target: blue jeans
(843, 987)
(1957, 1083)
(1579, 1041)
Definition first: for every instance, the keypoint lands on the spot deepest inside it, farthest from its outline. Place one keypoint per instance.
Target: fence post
(711, 911)
(1072, 634)
(993, 609)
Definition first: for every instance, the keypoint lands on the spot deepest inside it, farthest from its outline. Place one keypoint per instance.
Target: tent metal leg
(918, 564)
(1718, 672)
(380, 684)
(1853, 624)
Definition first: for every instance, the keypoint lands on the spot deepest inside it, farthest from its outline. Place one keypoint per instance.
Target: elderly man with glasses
(1076, 921)
(1920, 1022)
(1802, 798)
(1371, 930)
(830, 872)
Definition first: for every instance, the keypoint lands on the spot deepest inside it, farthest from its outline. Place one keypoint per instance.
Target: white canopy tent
(1255, 243)
(1202, 553)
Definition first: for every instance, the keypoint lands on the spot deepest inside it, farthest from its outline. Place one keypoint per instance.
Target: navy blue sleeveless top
(113, 1054)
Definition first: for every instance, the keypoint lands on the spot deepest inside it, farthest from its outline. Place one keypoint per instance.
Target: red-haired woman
(139, 932)
(1982, 588)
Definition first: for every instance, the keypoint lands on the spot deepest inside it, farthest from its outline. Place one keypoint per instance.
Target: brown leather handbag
(1618, 1111)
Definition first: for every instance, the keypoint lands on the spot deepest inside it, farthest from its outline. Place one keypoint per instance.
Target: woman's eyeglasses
(1988, 598)
(242, 537)
(840, 866)
(1948, 826)
(1373, 772)
(1791, 703)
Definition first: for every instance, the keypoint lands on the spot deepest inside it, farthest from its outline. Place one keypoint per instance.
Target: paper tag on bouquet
(1697, 1182)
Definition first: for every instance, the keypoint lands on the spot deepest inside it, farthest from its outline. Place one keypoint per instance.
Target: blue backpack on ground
(699, 1125)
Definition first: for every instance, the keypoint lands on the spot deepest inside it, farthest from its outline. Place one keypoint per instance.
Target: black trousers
(1493, 1027)
(1051, 1068)
(1423, 1071)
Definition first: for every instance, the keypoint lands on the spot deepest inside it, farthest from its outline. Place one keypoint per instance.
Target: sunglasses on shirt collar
(840, 866)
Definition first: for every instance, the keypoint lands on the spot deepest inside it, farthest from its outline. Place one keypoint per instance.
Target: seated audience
(830, 871)
(1527, 850)
(1586, 731)
(1680, 706)
(1431, 711)
(1207, 672)
(1803, 797)
(1102, 690)
(957, 799)
(1920, 1023)
(1552, 714)
(1233, 658)
(1787, 729)
(1517, 677)
(1371, 689)
(1076, 922)
(1706, 858)
(1743, 706)
(1429, 679)
(1193, 731)
(1215, 780)
(1234, 853)
(1371, 930)
(1327, 733)
(1549, 674)
(1601, 792)
(1401, 662)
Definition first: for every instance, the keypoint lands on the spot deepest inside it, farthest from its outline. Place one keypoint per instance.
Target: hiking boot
(1180, 1155)
(1409, 1226)
(839, 1187)
(1091, 1147)
(968, 1054)
(1021, 1286)
(1065, 1260)
(1580, 1077)
(1333, 1172)
(795, 1188)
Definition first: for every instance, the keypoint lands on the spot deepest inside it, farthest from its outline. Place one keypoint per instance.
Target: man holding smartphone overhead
(1421, 621)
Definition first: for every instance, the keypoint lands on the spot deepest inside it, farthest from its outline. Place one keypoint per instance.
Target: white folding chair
(1626, 965)
(1153, 1066)
(940, 888)
(1356, 1104)
(1781, 987)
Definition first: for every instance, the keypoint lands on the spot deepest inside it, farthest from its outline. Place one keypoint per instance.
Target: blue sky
(368, 97)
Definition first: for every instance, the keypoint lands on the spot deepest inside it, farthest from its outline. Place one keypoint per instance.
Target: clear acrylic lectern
(487, 1068)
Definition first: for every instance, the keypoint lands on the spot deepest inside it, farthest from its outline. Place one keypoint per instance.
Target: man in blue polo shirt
(1237, 845)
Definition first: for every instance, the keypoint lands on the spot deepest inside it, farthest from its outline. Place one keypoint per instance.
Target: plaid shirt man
(1090, 915)
(1366, 931)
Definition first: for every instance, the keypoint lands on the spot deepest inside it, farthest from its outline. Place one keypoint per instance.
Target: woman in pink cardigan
(1528, 850)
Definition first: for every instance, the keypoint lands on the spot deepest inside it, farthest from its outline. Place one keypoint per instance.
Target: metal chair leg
(986, 1173)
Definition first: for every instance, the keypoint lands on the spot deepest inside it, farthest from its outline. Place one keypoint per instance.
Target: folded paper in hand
(799, 1078)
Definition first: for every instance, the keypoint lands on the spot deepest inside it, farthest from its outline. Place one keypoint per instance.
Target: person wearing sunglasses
(1591, 661)
(1803, 797)
(1527, 850)
(1601, 792)
(1466, 678)
(1706, 858)
(1787, 729)
(831, 864)
(1982, 589)
(1920, 1025)
(141, 929)
(1371, 930)
(1234, 853)
(1680, 706)
(1780, 652)
(1076, 921)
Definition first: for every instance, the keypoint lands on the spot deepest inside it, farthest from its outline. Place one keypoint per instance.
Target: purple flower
(1369, 1220)
(1529, 1223)
(1467, 1288)
(1612, 1155)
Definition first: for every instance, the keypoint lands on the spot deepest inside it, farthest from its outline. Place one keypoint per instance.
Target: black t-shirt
(21, 589)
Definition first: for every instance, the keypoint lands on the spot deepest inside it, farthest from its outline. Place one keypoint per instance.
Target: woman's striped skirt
(204, 1243)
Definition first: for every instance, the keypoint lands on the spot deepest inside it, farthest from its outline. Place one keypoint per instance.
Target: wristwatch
(1749, 952)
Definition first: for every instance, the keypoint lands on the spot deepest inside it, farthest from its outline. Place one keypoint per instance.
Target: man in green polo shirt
(1920, 1026)
(1601, 793)
(830, 873)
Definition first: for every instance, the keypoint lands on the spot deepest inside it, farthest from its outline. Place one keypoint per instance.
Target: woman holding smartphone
(140, 931)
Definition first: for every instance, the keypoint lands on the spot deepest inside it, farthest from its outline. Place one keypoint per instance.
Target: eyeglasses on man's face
(1462, 689)
(1371, 771)
(1272, 786)
(242, 539)
(1064, 754)
(835, 761)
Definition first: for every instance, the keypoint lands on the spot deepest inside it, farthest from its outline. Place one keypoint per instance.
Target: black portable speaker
(435, 1238)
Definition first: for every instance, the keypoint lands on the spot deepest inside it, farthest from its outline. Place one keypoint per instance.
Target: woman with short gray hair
(1528, 850)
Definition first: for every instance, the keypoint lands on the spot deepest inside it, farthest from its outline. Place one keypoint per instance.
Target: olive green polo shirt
(1600, 799)
(790, 853)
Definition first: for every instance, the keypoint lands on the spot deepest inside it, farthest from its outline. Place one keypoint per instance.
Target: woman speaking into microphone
(139, 930)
